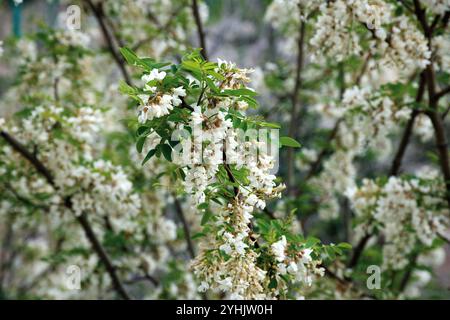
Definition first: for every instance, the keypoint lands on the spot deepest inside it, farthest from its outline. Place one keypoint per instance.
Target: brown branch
(404, 142)
(445, 113)
(357, 252)
(397, 162)
(316, 164)
(436, 120)
(16, 145)
(442, 93)
(408, 274)
(187, 232)
(98, 248)
(200, 31)
(82, 219)
(420, 14)
(98, 12)
(442, 148)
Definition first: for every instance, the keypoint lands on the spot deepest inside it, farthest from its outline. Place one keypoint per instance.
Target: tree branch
(100, 17)
(397, 162)
(357, 252)
(200, 31)
(187, 232)
(442, 93)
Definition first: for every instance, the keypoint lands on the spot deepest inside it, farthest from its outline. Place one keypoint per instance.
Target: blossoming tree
(159, 173)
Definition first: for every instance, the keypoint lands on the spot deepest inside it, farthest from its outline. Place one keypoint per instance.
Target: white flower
(236, 296)
(226, 248)
(179, 91)
(240, 247)
(225, 284)
(278, 249)
(203, 286)
(154, 74)
(292, 268)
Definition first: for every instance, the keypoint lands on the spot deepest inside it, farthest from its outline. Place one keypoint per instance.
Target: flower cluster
(94, 186)
(226, 172)
(396, 39)
(371, 114)
(228, 260)
(282, 14)
(403, 211)
(156, 106)
(332, 35)
(407, 46)
(296, 264)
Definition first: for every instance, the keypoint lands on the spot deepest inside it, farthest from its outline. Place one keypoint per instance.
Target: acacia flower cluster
(342, 26)
(227, 178)
(94, 186)
(404, 211)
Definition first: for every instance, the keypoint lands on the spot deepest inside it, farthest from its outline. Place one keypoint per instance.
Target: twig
(396, 163)
(187, 232)
(408, 274)
(436, 120)
(200, 31)
(99, 15)
(315, 165)
(442, 93)
(357, 252)
(82, 219)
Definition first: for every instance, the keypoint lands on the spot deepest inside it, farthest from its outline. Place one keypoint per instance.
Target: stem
(396, 163)
(187, 233)
(358, 251)
(315, 166)
(200, 31)
(100, 17)
(442, 148)
(110, 268)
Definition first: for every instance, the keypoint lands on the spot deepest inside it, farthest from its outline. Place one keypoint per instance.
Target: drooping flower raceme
(404, 211)
(228, 173)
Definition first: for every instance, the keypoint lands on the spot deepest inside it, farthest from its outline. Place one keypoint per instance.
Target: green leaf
(124, 88)
(273, 283)
(206, 217)
(149, 155)
(130, 56)
(216, 75)
(269, 125)
(203, 206)
(311, 241)
(191, 66)
(289, 142)
(211, 85)
(140, 143)
(166, 151)
(240, 92)
(143, 131)
(198, 235)
(344, 245)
